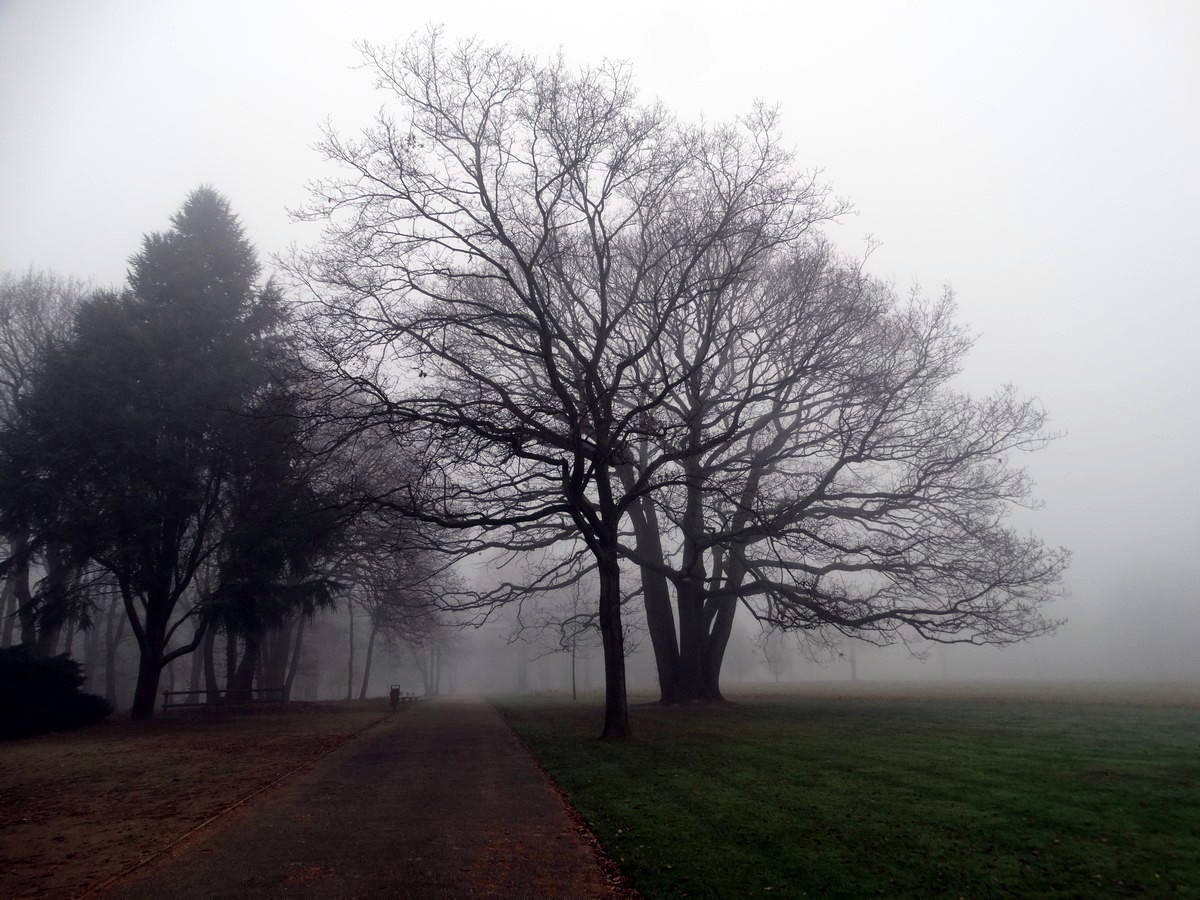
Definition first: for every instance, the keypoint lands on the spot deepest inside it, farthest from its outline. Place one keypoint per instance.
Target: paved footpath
(440, 801)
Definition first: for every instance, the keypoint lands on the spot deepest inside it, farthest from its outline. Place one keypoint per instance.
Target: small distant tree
(778, 650)
(36, 313)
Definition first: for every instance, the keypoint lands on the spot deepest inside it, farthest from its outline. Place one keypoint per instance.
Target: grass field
(78, 807)
(912, 791)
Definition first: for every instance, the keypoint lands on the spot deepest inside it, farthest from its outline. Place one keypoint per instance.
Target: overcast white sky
(1041, 158)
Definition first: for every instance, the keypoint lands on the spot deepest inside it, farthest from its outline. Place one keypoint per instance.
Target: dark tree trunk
(54, 612)
(152, 644)
(362, 694)
(113, 632)
(718, 641)
(656, 595)
(25, 603)
(212, 690)
(243, 679)
(91, 655)
(145, 694)
(9, 606)
(616, 708)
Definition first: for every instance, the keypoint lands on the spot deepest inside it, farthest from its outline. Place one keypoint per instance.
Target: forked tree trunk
(152, 644)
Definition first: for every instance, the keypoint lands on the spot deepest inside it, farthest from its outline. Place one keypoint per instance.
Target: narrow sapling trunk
(294, 662)
(114, 630)
(350, 664)
(212, 690)
(362, 693)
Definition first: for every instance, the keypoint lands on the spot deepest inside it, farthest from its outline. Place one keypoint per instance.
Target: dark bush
(38, 695)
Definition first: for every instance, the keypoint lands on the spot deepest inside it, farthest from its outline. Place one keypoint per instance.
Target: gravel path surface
(440, 801)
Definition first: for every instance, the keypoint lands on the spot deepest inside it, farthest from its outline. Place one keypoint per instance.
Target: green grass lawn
(902, 795)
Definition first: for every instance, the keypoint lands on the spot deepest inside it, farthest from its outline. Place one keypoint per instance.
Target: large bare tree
(817, 465)
(505, 251)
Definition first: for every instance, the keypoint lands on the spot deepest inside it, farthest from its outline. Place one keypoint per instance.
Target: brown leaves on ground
(77, 808)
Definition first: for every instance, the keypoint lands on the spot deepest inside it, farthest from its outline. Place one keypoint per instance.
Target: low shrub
(40, 695)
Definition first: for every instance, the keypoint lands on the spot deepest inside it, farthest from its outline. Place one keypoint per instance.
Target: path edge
(617, 881)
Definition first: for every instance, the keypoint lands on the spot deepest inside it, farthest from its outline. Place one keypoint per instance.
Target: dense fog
(1040, 161)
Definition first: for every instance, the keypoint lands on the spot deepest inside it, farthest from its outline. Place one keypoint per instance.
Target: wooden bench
(226, 698)
(397, 696)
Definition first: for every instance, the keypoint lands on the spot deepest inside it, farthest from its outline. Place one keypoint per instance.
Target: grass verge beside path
(79, 807)
(905, 795)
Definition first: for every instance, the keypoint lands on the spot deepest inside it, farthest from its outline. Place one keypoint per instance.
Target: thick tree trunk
(656, 596)
(145, 694)
(362, 693)
(616, 708)
(152, 644)
(718, 641)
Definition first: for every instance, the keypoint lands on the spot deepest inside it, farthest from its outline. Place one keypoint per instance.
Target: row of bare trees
(619, 344)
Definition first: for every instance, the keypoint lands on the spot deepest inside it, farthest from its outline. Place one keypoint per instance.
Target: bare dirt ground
(79, 807)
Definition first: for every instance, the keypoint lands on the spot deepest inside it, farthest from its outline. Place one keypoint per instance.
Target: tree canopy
(602, 328)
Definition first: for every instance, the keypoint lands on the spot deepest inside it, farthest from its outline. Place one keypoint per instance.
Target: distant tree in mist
(36, 314)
